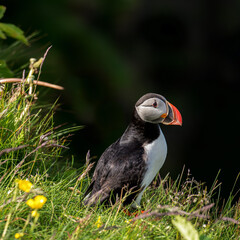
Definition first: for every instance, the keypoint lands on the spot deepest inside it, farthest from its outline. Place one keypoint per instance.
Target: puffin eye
(155, 104)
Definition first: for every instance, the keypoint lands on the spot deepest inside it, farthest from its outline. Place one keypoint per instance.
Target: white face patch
(151, 110)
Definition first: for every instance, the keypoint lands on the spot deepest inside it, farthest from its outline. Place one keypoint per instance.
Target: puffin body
(131, 163)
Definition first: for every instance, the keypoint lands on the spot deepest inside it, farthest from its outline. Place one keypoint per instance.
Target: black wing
(121, 165)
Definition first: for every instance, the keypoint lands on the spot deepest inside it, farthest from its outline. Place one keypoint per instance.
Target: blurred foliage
(5, 72)
(11, 31)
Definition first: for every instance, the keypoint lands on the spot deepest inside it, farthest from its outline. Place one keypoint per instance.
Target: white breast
(156, 153)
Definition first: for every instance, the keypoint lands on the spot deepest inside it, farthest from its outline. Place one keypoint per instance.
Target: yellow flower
(40, 201)
(128, 221)
(19, 235)
(35, 213)
(37, 202)
(24, 185)
(30, 202)
(98, 222)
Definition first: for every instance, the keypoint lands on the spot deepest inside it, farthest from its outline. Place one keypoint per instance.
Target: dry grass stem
(89, 167)
(8, 150)
(36, 82)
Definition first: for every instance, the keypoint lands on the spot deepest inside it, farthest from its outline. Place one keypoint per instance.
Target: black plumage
(122, 164)
(132, 162)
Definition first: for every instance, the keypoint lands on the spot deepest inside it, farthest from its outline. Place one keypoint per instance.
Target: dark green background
(109, 53)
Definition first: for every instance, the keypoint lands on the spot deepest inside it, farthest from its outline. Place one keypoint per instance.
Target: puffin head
(154, 108)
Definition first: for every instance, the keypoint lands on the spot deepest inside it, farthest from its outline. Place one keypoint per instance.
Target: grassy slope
(63, 216)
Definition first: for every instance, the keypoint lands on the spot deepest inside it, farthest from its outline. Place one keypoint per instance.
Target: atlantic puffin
(132, 162)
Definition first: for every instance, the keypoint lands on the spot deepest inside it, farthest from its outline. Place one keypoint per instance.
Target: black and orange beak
(173, 117)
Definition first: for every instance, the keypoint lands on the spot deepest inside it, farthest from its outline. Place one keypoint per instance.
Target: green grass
(32, 147)
(64, 217)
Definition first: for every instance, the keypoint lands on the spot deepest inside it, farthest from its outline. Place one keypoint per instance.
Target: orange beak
(177, 117)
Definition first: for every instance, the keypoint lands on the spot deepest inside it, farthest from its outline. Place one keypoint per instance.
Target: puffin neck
(140, 131)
